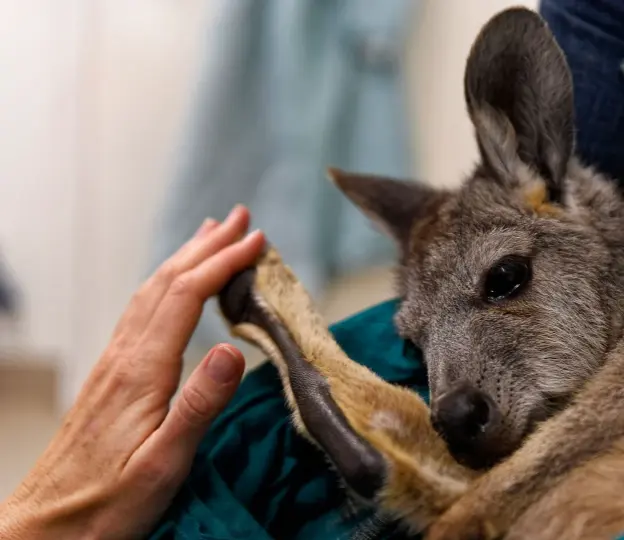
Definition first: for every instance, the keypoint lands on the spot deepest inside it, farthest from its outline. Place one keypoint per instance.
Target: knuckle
(122, 374)
(181, 286)
(125, 369)
(140, 295)
(113, 358)
(194, 407)
(156, 472)
(167, 272)
(228, 263)
(224, 267)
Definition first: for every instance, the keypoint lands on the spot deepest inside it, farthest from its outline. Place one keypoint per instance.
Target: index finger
(209, 239)
(179, 312)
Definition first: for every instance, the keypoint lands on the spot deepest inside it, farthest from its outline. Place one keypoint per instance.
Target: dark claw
(360, 465)
(235, 298)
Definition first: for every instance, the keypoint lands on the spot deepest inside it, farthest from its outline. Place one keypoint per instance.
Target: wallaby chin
(512, 287)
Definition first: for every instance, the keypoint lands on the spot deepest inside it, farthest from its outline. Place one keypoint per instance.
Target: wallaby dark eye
(507, 278)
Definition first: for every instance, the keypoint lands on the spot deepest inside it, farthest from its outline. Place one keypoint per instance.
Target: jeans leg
(591, 34)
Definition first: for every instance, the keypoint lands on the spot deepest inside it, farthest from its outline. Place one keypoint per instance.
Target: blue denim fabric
(591, 34)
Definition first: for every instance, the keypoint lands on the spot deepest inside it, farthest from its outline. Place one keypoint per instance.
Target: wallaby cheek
(569, 342)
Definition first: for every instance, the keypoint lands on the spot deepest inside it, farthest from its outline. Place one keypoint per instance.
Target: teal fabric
(254, 477)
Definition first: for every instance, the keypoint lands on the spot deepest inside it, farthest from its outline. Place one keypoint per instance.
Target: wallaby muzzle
(470, 422)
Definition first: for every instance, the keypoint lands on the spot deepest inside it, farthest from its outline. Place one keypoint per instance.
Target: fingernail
(252, 235)
(234, 211)
(222, 366)
(207, 224)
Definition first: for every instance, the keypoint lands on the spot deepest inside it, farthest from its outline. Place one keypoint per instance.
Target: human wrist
(11, 524)
(26, 520)
(18, 521)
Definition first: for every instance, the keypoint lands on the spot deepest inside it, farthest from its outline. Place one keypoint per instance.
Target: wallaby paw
(377, 435)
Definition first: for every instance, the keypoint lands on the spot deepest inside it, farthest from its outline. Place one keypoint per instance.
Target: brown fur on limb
(418, 479)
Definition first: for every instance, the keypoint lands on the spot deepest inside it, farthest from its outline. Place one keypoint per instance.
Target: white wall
(92, 96)
(92, 100)
(38, 148)
(139, 77)
(444, 150)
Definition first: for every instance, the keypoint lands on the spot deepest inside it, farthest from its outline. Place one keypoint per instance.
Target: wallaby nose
(469, 421)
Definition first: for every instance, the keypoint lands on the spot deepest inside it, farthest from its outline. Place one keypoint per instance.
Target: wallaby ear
(518, 90)
(394, 205)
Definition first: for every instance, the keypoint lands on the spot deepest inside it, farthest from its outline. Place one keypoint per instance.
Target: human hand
(122, 451)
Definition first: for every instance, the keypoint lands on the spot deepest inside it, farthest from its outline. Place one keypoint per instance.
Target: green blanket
(254, 477)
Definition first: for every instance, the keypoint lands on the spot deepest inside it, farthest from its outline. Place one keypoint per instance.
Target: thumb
(202, 398)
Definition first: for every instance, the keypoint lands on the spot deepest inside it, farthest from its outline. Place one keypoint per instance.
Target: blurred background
(124, 124)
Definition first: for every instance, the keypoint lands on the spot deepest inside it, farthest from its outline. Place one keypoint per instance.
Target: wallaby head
(510, 284)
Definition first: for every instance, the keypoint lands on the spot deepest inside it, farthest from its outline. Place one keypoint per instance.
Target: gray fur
(531, 354)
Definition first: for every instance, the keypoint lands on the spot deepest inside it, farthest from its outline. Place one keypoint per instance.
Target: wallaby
(513, 287)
